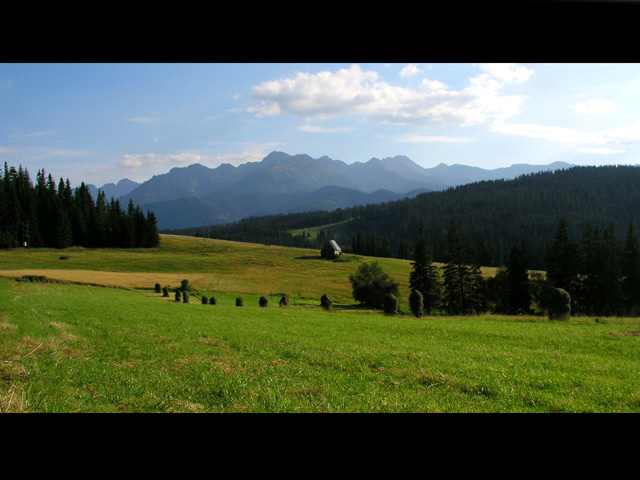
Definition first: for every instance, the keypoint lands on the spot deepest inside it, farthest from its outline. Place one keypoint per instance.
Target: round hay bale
(264, 301)
(213, 301)
(284, 301)
(326, 302)
(239, 302)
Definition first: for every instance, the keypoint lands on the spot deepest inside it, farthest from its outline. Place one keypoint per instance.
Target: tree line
(492, 214)
(50, 214)
(598, 276)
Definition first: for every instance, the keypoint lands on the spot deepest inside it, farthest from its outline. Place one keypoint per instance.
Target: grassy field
(72, 345)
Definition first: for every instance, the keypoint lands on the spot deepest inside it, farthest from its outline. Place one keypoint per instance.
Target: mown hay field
(71, 344)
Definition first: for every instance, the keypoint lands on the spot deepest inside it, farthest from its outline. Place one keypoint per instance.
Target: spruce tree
(518, 284)
(563, 259)
(424, 276)
(630, 270)
(457, 271)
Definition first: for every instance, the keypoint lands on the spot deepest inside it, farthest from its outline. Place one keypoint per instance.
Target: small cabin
(331, 250)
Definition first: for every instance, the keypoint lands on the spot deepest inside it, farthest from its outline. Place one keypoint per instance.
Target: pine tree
(518, 284)
(630, 270)
(424, 276)
(457, 271)
(563, 259)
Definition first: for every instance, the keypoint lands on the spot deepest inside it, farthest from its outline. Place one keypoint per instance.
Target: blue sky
(99, 123)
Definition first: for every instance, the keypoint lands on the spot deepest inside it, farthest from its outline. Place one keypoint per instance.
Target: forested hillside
(493, 215)
(50, 215)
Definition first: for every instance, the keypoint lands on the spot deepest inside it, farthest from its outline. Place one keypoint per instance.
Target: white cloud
(594, 142)
(507, 72)
(430, 139)
(143, 119)
(409, 71)
(8, 150)
(604, 150)
(139, 160)
(554, 134)
(595, 106)
(353, 91)
(316, 129)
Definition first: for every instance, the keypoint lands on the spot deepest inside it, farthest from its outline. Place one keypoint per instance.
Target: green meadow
(84, 331)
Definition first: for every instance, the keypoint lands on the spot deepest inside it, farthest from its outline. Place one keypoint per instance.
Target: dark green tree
(563, 259)
(424, 276)
(630, 270)
(518, 285)
(457, 271)
(370, 285)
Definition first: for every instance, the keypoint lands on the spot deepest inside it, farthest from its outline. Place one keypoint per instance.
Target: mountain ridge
(282, 182)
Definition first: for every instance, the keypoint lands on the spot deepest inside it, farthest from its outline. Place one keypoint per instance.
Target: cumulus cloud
(353, 91)
(409, 71)
(507, 72)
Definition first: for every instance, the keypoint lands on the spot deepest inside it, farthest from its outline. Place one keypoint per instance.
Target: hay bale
(390, 304)
(205, 300)
(284, 301)
(157, 288)
(165, 292)
(213, 301)
(558, 303)
(185, 297)
(264, 301)
(239, 302)
(178, 295)
(416, 302)
(326, 302)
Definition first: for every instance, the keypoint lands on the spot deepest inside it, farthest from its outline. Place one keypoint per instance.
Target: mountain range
(281, 183)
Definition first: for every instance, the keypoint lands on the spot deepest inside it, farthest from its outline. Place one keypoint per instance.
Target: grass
(74, 347)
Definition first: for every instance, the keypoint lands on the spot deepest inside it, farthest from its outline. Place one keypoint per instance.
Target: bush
(371, 285)
(239, 302)
(416, 303)
(284, 301)
(205, 300)
(558, 303)
(213, 301)
(326, 302)
(390, 304)
(165, 292)
(264, 301)
(157, 288)
(185, 297)
(178, 296)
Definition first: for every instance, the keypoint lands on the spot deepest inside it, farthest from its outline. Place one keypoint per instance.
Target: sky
(100, 122)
